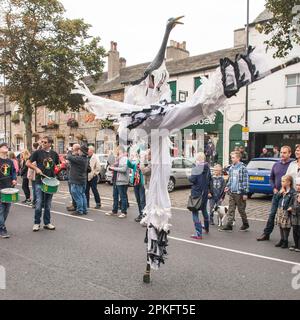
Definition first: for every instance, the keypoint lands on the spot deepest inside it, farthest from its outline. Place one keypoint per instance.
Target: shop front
(207, 136)
(269, 128)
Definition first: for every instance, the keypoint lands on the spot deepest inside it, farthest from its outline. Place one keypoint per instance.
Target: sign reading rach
(274, 120)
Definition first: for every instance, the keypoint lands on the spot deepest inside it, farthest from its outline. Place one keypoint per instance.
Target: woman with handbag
(200, 179)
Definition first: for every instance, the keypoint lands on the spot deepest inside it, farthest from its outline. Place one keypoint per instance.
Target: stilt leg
(146, 277)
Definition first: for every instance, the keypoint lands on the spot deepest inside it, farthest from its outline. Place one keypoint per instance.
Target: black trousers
(296, 234)
(25, 187)
(92, 185)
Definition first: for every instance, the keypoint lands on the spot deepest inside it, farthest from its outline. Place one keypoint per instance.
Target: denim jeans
(122, 192)
(274, 207)
(212, 202)
(92, 185)
(4, 211)
(33, 192)
(197, 222)
(43, 200)
(73, 200)
(78, 193)
(139, 192)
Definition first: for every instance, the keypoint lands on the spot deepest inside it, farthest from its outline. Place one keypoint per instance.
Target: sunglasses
(44, 142)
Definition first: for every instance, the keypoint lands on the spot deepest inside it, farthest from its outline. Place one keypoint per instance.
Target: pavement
(100, 257)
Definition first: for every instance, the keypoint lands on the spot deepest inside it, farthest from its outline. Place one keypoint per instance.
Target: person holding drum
(45, 159)
(8, 179)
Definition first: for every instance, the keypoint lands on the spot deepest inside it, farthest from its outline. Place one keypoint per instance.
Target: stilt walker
(147, 107)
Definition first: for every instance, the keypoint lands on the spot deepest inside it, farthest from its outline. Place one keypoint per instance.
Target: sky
(138, 25)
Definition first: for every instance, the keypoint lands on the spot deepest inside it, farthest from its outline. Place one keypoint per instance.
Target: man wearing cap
(45, 159)
(8, 179)
(78, 178)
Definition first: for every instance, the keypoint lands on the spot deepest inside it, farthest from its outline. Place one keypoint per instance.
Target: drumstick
(42, 174)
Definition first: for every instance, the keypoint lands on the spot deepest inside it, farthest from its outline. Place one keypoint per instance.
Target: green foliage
(284, 27)
(43, 54)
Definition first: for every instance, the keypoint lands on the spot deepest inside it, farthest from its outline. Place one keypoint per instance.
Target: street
(100, 257)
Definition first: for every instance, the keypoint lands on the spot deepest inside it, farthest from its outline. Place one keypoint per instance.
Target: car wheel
(62, 175)
(171, 185)
(249, 195)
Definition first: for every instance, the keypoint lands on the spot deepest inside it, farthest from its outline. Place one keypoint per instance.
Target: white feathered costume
(151, 111)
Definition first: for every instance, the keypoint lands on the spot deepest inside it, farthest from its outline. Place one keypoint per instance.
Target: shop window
(293, 90)
(100, 147)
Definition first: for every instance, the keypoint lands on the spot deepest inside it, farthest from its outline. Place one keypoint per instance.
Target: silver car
(103, 163)
(180, 173)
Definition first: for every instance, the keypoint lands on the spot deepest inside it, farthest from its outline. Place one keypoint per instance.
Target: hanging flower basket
(107, 124)
(51, 125)
(72, 123)
(15, 118)
(80, 136)
(60, 136)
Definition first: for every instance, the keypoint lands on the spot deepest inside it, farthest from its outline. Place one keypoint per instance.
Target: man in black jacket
(78, 177)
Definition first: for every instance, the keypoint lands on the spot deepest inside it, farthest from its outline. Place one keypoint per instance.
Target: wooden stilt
(146, 277)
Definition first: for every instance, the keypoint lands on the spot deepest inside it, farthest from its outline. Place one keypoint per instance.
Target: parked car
(180, 173)
(61, 169)
(103, 162)
(259, 170)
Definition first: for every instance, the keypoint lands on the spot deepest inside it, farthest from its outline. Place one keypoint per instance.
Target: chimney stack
(122, 62)
(177, 51)
(113, 61)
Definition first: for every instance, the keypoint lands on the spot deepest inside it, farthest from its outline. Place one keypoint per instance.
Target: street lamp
(4, 105)
(247, 45)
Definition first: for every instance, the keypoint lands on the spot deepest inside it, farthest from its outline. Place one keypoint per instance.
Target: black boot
(285, 244)
(279, 244)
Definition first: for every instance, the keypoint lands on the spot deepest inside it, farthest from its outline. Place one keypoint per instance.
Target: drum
(9, 195)
(50, 185)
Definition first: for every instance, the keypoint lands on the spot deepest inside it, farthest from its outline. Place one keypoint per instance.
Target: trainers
(292, 248)
(297, 250)
(98, 206)
(122, 216)
(138, 219)
(244, 227)
(279, 244)
(49, 227)
(196, 237)
(4, 234)
(111, 214)
(226, 228)
(36, 228)
(71, 208)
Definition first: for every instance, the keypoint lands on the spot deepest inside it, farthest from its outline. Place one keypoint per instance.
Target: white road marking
(236, 251)
(61, 214)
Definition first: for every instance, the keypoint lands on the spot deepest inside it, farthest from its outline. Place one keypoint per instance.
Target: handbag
(194, 204)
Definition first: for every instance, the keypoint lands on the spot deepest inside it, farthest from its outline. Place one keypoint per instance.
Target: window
(177, 164)
(293, 90)
(188, 164)
(51, 116)
(19, 144)
(73, 115)
(61, 146)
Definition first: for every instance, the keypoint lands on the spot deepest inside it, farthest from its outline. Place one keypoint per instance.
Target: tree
(284, 28)
(43, 54)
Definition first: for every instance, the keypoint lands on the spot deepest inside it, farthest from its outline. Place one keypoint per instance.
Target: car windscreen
(260, 165)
